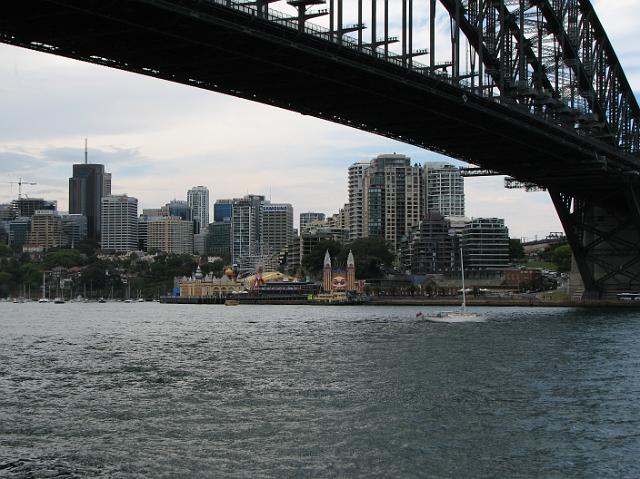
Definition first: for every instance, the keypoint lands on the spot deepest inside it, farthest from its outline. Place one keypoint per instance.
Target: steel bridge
(528, 88)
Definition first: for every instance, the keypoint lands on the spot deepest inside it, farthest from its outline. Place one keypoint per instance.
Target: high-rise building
(86, 189)
(74, 229)
(178, 208)
(7, 212)
(170, 234)
(431, 248)
(444, 189)
(19, 230)
(119, 223)
(223, 211)
(485, 244)
(28, 206)
(106, 189)
(198, 201)
(356, 198)
(218, 241)
(245, 226)
(46, 230)
(393, 200)
(276, 227)
(310, 217)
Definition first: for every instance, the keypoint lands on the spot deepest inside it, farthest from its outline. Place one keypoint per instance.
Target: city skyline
(159, 139)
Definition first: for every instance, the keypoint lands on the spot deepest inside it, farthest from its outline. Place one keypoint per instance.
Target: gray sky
(159, 138)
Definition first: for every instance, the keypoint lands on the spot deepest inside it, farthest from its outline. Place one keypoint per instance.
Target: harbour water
(147, 390)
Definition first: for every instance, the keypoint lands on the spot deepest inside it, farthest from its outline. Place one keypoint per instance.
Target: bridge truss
(528, 88)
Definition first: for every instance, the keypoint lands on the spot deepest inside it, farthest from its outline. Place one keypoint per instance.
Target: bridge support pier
(604, 235)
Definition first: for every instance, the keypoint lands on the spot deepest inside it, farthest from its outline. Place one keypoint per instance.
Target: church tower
(326, 272)
(351, 272)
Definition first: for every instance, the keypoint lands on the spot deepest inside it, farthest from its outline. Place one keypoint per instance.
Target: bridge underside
(220, 49)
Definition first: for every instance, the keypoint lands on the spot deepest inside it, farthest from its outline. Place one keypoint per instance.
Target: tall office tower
(86, 189)
(306, 218)
(28, 206)
(245, 227)
(222, 211)
(276, 227)
(170, 234)
(178, 208)
(106, 189)
(198, 201)
(485, 244)
(218, 242)
(74, 229)
(46, 230)
(393, 198)
(119, 223)
(356, 192)
(444, 189)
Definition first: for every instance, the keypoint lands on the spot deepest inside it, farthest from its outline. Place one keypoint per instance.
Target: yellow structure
(200, 286)
(337, 280)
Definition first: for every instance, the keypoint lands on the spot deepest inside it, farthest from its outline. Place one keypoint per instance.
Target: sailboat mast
(464, 292)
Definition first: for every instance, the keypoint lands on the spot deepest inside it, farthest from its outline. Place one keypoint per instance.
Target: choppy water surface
(150, 390)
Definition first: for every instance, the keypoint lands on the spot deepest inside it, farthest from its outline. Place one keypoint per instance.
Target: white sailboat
(460, 316)
(44, 298)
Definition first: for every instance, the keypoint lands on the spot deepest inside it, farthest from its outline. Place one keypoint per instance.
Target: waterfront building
(356, 199)
(223, 211)
(170, 234)
(19, 230)
(218, 240)
(28, 206)
(276, 227)
(309, 217)
(245, 227)
(444, 189)
(46, 230)
(485, 243)
(338, 279)
(431, 247)
(119, 223)
(198, 201)
(393, 198)
(74, 229)
(201, 286)
(86, 189)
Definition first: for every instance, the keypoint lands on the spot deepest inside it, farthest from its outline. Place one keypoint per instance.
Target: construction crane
(20, 182)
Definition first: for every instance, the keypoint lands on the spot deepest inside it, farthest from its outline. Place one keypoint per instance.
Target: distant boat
(43, 300)
(140, 300)
(102, 300)
(460, 316)
(231, 302)
(58, 300)
(128, 301)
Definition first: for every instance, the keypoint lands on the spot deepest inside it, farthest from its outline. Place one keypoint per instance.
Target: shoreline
(382, 301)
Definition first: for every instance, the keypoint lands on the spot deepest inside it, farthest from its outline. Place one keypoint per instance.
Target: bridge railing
(350, 42)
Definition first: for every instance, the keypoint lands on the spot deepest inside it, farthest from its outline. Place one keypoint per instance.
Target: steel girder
(605, 241)
(554, 57)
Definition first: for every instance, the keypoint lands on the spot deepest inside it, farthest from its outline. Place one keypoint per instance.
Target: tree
(516, 250)
(561, 257)
(370, 254)
(66, 258)
(313, 263)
